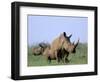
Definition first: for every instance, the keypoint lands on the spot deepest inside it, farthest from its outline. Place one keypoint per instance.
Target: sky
(47, 28)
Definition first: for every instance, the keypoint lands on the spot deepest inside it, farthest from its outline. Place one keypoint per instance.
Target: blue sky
(47, 28)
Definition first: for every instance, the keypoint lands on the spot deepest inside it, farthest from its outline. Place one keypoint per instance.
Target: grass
(80, 57)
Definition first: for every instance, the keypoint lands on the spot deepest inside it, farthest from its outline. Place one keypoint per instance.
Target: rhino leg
(61, 55)
(61, 58)
(57, 56)
(66, 58)
(49, 59)
(58, 59)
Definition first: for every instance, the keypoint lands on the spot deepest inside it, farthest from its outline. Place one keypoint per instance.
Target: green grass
(80, 57)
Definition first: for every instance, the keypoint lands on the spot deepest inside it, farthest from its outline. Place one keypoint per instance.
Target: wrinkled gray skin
(60, 48)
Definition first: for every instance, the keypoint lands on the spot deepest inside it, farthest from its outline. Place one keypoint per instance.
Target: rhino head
(67, 45)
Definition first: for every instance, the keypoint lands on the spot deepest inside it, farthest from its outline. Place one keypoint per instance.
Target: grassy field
(80, 57)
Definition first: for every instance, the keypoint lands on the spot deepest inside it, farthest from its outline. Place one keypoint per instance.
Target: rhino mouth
(74, 51)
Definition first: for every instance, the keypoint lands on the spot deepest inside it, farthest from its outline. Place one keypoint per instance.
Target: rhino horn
(77, 43)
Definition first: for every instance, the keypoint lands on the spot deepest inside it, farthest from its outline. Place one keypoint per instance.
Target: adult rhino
(59, 47)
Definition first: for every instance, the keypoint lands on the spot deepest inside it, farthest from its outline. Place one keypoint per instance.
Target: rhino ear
(64, 33)
(70, 36)
(41, 45)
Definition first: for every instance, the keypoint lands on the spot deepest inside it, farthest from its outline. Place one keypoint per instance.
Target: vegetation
(80, 57)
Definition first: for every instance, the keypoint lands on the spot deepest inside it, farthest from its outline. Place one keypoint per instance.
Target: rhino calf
(40, 49)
